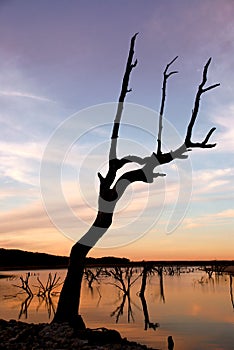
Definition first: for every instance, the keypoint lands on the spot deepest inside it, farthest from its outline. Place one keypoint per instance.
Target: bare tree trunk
(142, 296)
(143, 281)
(68, 305)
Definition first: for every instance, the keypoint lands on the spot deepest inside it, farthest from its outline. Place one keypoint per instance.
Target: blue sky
(59, 57)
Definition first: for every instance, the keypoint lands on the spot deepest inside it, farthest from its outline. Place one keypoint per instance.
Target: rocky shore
(15, 335)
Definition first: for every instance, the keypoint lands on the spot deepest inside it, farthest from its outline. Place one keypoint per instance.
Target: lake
(196, 310)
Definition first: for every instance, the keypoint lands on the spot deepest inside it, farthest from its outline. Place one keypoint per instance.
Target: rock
(19, 336)
(103, 336)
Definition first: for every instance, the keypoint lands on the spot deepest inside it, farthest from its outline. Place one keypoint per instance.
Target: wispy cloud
(31, 150)
(214, 219)
(10, 93)
(229, 214)
(34, 216)
(225, 135)
(21, 161)
(212, 182)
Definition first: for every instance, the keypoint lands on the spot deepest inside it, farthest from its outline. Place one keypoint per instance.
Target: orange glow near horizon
(60, 245)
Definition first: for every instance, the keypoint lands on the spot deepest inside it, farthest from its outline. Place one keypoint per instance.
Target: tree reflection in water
(148, 270)
(24, 307)
(231, 291)
(123, 279)
(92, 275)
(45, 293)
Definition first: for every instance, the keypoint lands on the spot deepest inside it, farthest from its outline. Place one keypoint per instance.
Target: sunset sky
(58, 58)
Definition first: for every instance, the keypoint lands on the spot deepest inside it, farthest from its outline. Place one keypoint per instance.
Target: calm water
(196, 310)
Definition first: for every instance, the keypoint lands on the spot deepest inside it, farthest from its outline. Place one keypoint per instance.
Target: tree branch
(165, 77)
(123, 93)
(110, 192)
(114, 162)
(200, 91)
(134, 159)
(144, 174)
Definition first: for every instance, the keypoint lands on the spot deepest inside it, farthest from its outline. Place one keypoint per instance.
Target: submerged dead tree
(112, 186)
(147, 269)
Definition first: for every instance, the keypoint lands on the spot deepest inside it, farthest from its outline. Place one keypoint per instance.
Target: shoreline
(228, 264)
(17, 335)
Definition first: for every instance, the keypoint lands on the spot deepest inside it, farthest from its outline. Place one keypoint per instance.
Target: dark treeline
(20, 259)
(15, 258)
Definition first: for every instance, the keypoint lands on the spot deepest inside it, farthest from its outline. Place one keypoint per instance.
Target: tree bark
(68, 305)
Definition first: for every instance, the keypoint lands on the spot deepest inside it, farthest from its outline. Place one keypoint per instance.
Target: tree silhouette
(147, 269)
(112, 187)
(123, 277)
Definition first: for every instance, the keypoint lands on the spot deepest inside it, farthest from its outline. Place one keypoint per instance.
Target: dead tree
(147, 269)
(112, 186)
(231, 291)
(25, 285)
(119, 310)
(124, 279)
(45, 291)
(92, 275)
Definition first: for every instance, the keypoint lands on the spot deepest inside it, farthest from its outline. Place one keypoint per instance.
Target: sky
(61, 67)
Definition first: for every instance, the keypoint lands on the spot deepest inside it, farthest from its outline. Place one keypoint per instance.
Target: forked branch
(201, 90)
(146, 173)
(111, 189)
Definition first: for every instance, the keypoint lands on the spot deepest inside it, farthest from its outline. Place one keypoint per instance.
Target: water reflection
(119, 310)
(45, 293)
(147, 271)
(124, 278)
(148, 304)
(231, 291)
(188, 303)
(24, 307)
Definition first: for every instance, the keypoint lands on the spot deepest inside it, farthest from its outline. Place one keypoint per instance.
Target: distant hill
(19, 259)
(107, 260)
(15, 258)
